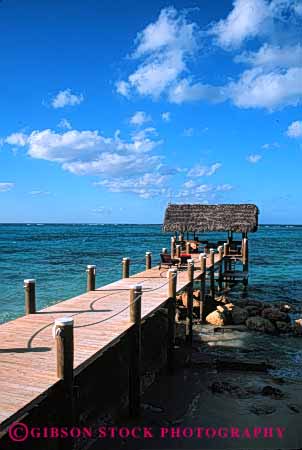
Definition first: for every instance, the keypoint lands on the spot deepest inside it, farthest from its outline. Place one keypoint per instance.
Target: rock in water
(283, 327)
(298, 327)
(260, 324)
(253, 310)
(239, 315)
(274, 314)
(217, 318)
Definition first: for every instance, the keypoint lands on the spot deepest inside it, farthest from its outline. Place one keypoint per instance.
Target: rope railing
(112, 291)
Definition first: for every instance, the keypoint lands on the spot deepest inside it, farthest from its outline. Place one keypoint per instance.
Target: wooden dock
(101, 319)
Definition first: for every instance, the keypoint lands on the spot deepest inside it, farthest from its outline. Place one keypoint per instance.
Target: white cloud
(123, 88)
(253, 159)
(224, 187)
(147, 186)
(88, 152)
(298, 8)
(191, 190)
(247, 19)
(113, 164)
(270, 146)
(4, 187)
(39, 193)
(163, 48)
(103, 210)
(18, 139)
(64, 124)
(166, 116)
(273, 57)
(270, 90)
(66, 98)
(139, 118)
(295, 129)
(200, 171)
(186, 91)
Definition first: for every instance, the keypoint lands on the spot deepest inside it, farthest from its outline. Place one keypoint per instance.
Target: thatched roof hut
(237, 218)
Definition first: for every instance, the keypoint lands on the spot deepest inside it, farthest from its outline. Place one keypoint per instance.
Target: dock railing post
(189, 321)
(220, 252)
(212, 273)
(245, 259)
(188, 248)
(172, 246)
(125, 267)
(226, 251)
(30, 296)
(135, 351)
(63, 334)
(148, 260)
(172, 288)
(91, 271)
(245, 256)
(203, 269)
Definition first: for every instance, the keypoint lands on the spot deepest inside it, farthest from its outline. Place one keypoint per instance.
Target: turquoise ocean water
(57, 255)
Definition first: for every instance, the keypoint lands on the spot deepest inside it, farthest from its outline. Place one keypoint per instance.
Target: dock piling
(172, 288)
(188, 248)
(245, 256)
(30, 296)
(125, 267)
(135, 351)
(148, 260)
(203, 265)
(189, 322)
(91, 271)
(212, 273)
(173, 240)
(245, 259)
(220, 252)
(63, 334)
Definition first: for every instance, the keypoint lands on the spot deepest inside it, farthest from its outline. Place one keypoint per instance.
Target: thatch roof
(237, 218)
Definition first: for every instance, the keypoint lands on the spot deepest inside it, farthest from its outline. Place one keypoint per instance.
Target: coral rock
(260, 324)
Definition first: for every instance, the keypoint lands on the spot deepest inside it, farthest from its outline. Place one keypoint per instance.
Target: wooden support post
(226, 251)
(172, 288)
(245, 259)
(172, 247)
(91, 271)
(125, 267)
(220, 252)
(212, 273)
(188, 248)
(178, 250)
(63, 334)
(189, 322)
(135, 351)
(203, 269)
(30, 296)
(245, 256)
(148, 260)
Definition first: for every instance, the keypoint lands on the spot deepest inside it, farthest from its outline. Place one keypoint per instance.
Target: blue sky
(110, 110)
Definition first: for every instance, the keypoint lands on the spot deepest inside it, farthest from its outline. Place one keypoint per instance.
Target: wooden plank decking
(27, 350)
